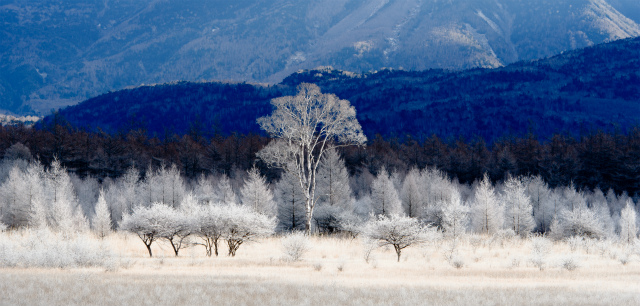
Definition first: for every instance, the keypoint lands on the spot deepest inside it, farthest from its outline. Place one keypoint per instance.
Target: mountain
(57, 53)
(578, 91)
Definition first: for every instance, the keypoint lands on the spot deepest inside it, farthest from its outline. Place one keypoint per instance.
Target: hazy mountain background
(595, 88)
(57, 53)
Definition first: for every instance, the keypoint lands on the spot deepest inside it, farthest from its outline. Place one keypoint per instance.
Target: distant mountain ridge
(578, 91)
(59, 53)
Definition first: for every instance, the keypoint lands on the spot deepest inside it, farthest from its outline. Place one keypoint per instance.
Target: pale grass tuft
(295, 245)
(575, 243)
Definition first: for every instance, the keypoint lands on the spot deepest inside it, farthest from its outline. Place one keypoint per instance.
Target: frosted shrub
(457, 262)
(368, 246)
(569, 263)
(590, 245)
(540, 248)
(475, 241)
(451, 251)
(603, 246)
(541, 245)
(45, 249)
(624, 258)
(295, 245)
(575, 243)
(503, 236)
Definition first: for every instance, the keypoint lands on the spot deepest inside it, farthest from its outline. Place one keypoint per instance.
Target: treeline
(596, 160)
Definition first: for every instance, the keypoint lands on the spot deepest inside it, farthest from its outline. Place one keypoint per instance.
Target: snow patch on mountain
(610, 21)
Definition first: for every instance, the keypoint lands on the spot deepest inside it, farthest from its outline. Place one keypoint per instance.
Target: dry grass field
(334, 272)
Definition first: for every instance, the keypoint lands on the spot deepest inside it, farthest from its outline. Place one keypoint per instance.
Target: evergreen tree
(411, 195)
(224, 191)
(256, 194)
(384, 196)
(487, 212)
(454, 215)
(628, 225)
(333, 182)
(291, 201)
(518, 208)
(61, 196)
(101, 221)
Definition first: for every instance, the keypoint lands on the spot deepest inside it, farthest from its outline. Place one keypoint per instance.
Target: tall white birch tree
(304, 126)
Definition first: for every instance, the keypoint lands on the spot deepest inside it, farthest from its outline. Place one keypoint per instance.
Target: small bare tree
(398, 231)
(304, 126)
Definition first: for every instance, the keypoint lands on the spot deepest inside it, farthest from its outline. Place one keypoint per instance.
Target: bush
(295, 245)
(540, 248)
(400, 232)
(569, 263)
(457, 262)
(45, 249)
(575, 243)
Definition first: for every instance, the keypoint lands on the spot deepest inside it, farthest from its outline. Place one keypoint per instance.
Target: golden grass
(333, 272)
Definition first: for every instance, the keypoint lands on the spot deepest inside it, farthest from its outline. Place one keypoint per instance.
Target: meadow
(334, 271)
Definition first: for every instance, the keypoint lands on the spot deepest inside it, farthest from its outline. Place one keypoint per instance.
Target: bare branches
(304, 125)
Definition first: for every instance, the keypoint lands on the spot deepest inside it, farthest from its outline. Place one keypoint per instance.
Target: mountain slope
(578, 91)
(59, 53)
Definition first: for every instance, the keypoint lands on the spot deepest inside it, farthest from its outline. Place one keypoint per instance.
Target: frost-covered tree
(581, 221)
(14, 206)
(571, 198)
(101, 222)
(304, 126)
(455, 215)
(437, 190)
(628, 225)
(256, 194)
(204, 189)
(384, 196)
(208, 225)
(541, 200)
(175, 225)
(518, 209)
(398, 231)
(124, 194)
(34, 195)
(224, 191)
(291, 201)
(146, 223)
(411, 195)
(173, 188)
(86, 190)
(61, 196)
(164, 185)
(487, 215)
(243, 224)
(333, 182)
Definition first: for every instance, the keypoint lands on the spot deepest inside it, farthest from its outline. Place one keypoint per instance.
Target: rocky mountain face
(57, 53)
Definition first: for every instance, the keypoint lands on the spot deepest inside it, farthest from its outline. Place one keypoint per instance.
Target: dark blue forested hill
(593, 88)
